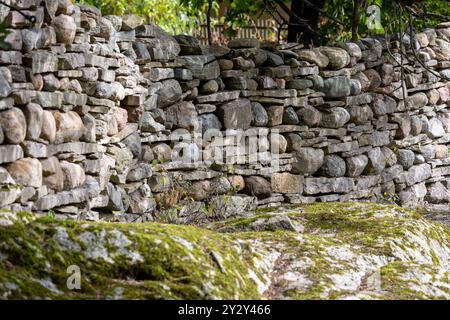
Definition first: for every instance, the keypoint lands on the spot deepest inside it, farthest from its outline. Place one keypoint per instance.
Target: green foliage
(241, 13)
(3, 35)
(170, 15)
(441, 7)
(341, 10)
(389, 17)
(182, 16)
(51, 215)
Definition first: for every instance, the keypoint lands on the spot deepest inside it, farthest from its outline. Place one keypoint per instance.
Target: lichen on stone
(341, 251)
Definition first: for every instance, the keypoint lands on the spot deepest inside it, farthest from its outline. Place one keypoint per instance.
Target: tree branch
(356, 19)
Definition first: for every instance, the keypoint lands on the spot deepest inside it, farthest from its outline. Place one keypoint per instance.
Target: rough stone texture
(278, 143)
(100, 122)
(10, 153)
(309, 116)
(438, 193)
(141, 172)
(26, 171)
(338, 58)
(208, 87)
(202, 67)
(201, 190)
(189, 45)
(333, 166)
(287, 183)
(65, 28)
(275, 115)
(360, 114)
(14, 125)
(244, 43)
(417, 174)
(34, 117)
(334, 118)
(356, 165)
(260, 117)
(182, 115)
(162, 152)
(289, 116)
(405, 158)
(314, 56)
(9, 196)
(236, 182)
(336, 87)
(236, 114)
(377, 161)
(48, 129)
(417, 269)
(374, 78)
(169, 93)
(308, 161)
(328, 185)
(74, 176)
(43, 61)
(257, 186)
(69, 126)
(436, 129)
(210, 121)
(121, 102)
(52, 174)
(5, 88)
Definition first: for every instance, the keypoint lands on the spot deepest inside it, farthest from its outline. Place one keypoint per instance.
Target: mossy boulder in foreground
(318, 251)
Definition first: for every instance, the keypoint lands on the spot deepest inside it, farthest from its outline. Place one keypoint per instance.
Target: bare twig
(208, 22)
(426, 14)
(30, 18)
(402, 74)
(356, 19)
(413, 49)
(300, 21)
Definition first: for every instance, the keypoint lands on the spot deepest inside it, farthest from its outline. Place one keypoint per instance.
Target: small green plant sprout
(154, 163)
(231, 169)
(390, 197)
(51, 214)
(234, 189)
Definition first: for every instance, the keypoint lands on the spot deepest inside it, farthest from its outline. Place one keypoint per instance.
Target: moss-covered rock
(331, 251)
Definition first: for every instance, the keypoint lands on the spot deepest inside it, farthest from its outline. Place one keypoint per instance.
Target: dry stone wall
(106, 117)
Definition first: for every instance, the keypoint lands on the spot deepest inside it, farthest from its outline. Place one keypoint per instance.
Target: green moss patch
(341, 250)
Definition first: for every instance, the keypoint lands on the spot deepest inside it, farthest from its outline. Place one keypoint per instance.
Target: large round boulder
(308, 161)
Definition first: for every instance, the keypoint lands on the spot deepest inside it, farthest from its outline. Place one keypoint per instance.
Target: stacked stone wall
(106, 117)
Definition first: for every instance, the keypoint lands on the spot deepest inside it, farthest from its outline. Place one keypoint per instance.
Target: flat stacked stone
(101, 117)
